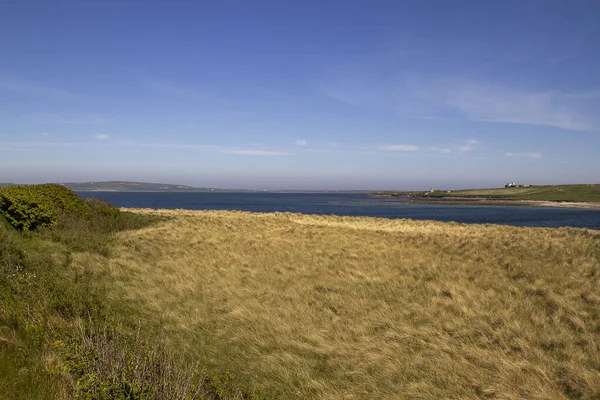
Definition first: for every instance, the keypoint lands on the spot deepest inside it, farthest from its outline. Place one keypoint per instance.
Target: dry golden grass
(340, 307)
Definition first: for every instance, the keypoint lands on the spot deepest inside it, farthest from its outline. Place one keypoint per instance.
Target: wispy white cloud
(31, 145)
(29, 88)
(558, 59)
(15, 149)
(400, 147)
(492, 103)
(301, 142)
(476, 101)
(253, 152)
(355, 92)
(166, 145)
(535, 156)
(45, 134)
(442, 150)
(206, 148)
(176, 90)
(53, 118)
(466, 147)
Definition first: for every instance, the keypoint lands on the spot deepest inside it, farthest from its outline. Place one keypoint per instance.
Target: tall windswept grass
(339, 307)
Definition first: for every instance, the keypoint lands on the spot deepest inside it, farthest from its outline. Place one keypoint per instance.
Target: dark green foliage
(33, 206)
(101, 208)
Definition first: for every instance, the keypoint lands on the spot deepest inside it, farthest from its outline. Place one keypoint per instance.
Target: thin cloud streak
(476, 101)
(207, 148)
(251, 152)
(535, 156)
(467, 147)
(32, 89)
(177, 91)
(560, 59)
(45, 144)
(400, 147)
(491, 103)
(442, 150)
(130, 143)
(53, 118)
(14, 150)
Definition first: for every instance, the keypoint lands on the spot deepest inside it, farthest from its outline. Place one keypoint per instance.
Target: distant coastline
(126, 186)
(582, 196)
(563, 196)
(491, 202)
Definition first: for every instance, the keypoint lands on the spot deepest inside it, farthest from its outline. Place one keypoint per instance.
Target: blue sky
(305, 94)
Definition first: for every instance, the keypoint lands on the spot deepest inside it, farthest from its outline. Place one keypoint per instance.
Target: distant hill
(6, 184)
(124, 186)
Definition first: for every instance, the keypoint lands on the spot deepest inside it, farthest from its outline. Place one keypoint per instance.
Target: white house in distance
(514, 185)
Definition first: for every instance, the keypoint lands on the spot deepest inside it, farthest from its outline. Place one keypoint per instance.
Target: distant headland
(128, 186)
(575, 196)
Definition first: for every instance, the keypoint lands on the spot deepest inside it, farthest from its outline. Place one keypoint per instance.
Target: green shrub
(28, 207)
(100, 208)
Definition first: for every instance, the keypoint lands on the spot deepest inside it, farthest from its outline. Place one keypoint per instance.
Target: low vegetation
(566, 193)
(59, 336)
(340, 307)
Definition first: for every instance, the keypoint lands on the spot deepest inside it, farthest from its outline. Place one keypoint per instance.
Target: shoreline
(492, 202)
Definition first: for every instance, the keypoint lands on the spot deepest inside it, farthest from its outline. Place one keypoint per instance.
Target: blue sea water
(353, 204)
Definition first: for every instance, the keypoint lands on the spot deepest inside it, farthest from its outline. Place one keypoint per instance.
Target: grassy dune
(338, 307)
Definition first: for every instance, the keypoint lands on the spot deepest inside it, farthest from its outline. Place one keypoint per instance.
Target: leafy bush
(28, 207)
(101, 208)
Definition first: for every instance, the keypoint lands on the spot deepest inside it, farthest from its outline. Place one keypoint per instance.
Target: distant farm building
(514, 185)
